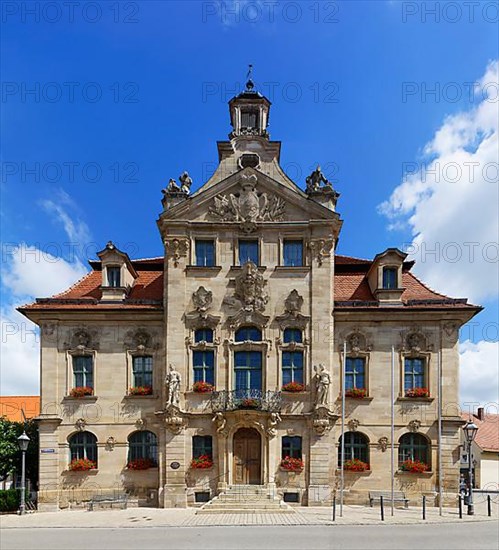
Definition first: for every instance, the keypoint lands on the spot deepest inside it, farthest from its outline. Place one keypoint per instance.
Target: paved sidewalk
(182, 517)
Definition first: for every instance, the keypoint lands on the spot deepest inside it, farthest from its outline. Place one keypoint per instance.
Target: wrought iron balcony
(256, 400)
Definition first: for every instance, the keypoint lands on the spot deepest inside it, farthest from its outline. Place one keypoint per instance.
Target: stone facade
(153, 308)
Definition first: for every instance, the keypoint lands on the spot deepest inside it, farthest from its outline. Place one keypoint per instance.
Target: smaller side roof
(11, 406)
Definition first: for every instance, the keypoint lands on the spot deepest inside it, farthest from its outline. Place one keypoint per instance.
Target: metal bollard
(460, 507)
(381, 508)
(489, 506)
(424, 506)
(334, 508)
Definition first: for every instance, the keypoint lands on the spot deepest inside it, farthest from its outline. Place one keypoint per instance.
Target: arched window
(143, 445)
(203, 335)
(248, 334)
(291, 446)
(414, 446)
(356, 447)
(83, 445)
(293, 336)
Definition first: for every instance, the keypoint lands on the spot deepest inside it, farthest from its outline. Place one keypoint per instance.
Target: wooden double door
(247, 457)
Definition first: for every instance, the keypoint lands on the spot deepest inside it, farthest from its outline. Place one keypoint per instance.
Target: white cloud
(479, 380)
(450, 201)
(28, 273)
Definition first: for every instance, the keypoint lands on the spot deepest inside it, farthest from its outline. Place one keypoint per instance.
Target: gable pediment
(248, 198)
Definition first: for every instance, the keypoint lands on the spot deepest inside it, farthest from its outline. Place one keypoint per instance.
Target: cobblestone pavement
(178, 517)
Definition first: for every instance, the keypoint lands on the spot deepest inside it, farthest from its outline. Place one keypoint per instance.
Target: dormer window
(390, 278)
(114, 276)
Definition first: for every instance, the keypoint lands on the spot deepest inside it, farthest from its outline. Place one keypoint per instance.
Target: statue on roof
(185, 182)
(315, 180)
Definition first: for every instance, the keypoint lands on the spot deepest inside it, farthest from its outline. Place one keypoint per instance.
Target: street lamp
(23, 442)
(470, 430)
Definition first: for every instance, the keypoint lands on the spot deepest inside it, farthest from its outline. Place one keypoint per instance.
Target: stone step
(244, 511)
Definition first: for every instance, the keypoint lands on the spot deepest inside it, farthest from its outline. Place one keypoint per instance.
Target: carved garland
(176, 249)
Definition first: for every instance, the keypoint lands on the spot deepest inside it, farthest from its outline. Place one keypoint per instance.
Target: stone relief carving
(202, 299)
(176, 249)
(353, 424)
(173, 192)
(322, 420)
(139, 340)
(415, 341)
(322, 381)
(220, 423)
(247, 206)
(140, 424)
(357, 342)
(80, 424)
(320, 249)
(292, 312)
(414, 425)
(110, 443)
(272, 423)
(250, 288)
(174, 420)
(172, 381)
(383, 443)
(83, 339)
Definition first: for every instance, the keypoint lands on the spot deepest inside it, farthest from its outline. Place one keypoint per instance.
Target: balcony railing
(256, 400)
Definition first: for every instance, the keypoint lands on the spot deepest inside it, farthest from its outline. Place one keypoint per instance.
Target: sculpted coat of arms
(247, 206)
(250, 288)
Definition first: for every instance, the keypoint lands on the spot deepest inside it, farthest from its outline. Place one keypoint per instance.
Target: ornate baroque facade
(220, 363)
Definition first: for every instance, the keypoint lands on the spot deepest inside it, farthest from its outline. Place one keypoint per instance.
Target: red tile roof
(12, 405)
(487, 436)
(351, 289)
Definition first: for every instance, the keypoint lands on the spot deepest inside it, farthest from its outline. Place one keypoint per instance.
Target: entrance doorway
(247, 457)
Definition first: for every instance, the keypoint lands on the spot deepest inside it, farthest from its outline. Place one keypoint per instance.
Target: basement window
(201, 496)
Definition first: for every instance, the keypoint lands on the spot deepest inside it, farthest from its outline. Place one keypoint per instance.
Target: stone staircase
(246, 499)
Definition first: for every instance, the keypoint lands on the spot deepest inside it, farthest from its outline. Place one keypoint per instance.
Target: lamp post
(23, 442)
(470, 430)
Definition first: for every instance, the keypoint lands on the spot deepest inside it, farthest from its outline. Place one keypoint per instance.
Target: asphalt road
(470, 536)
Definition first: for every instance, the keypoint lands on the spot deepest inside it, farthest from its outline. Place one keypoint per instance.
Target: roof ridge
(351, 257)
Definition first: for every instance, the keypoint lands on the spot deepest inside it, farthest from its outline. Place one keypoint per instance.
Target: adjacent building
(220, 363)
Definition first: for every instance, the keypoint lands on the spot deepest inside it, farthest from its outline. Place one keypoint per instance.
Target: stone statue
(220, 422)
(322, 381)
(172, 380)
(172, 186)
(315, 179)
(272, 423)
(185, 183)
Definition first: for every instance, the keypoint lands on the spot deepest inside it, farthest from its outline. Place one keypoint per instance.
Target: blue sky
(127, 95)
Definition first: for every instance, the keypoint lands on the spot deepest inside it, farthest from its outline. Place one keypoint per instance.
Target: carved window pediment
(415, 341)
(82, 340)
(292, 316)
(357, 343)
(140, 341)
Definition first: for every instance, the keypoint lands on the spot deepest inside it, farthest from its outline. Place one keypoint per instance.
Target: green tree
(10, 455)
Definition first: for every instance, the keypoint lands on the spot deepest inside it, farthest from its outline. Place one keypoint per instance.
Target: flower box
(293, 387)
(291, 464)
(203, 462)
(356, 393)
(140, 390)
(355, 465)
(141, 464)
(414, 467)
(202, 387)
(81, 391)
(82, 465)
(417, 392)
(249, 403)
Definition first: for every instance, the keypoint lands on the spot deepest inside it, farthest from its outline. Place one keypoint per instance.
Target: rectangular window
(204, 366)
(248, 370)
(390, 278)
(293, 253)
(414, 373)
(355, 373)
(142, 371)
(292, 367)
(205, 253)
(114, 276)
(291, 446)
(248, 252)
(202, 445)
(83, 371)
(249, 119)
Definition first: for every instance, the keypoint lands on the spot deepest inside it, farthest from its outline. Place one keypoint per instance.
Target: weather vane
(249, 82)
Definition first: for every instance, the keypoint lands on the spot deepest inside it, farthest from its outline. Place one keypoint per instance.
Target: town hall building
(219, 364)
